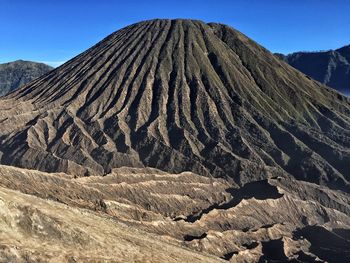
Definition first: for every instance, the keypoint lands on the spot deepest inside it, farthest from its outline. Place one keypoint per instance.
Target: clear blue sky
(55, 31)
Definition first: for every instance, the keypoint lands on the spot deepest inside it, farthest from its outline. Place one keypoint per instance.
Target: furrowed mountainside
(331, 68)
(179, 95)
(15, 74)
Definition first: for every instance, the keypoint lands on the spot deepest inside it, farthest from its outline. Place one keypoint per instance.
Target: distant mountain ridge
(18, 73)
(331, 67)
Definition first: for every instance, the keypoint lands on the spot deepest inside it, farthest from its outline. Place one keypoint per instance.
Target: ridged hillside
(179, 95)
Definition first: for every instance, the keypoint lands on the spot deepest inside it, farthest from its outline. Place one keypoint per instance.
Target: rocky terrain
(180, 133)
(276, 219)
(37, 230)
(14, 75)
(331, 67)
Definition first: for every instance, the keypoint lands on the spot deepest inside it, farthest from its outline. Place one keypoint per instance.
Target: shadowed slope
(179, 95)
(330, 67)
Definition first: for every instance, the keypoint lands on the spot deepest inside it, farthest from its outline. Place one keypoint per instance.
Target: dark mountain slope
(330, 67)
(179, 95)
(18, 73)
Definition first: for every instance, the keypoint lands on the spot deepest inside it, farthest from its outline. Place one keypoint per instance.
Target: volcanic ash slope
(179, 95)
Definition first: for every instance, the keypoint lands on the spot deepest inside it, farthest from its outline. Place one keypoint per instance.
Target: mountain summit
(179, 95)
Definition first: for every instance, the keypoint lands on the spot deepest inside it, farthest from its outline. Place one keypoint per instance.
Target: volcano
(179, 95)
(160, 108)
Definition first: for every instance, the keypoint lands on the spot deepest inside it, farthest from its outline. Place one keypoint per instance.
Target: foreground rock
(37, 230)
(276, 219)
